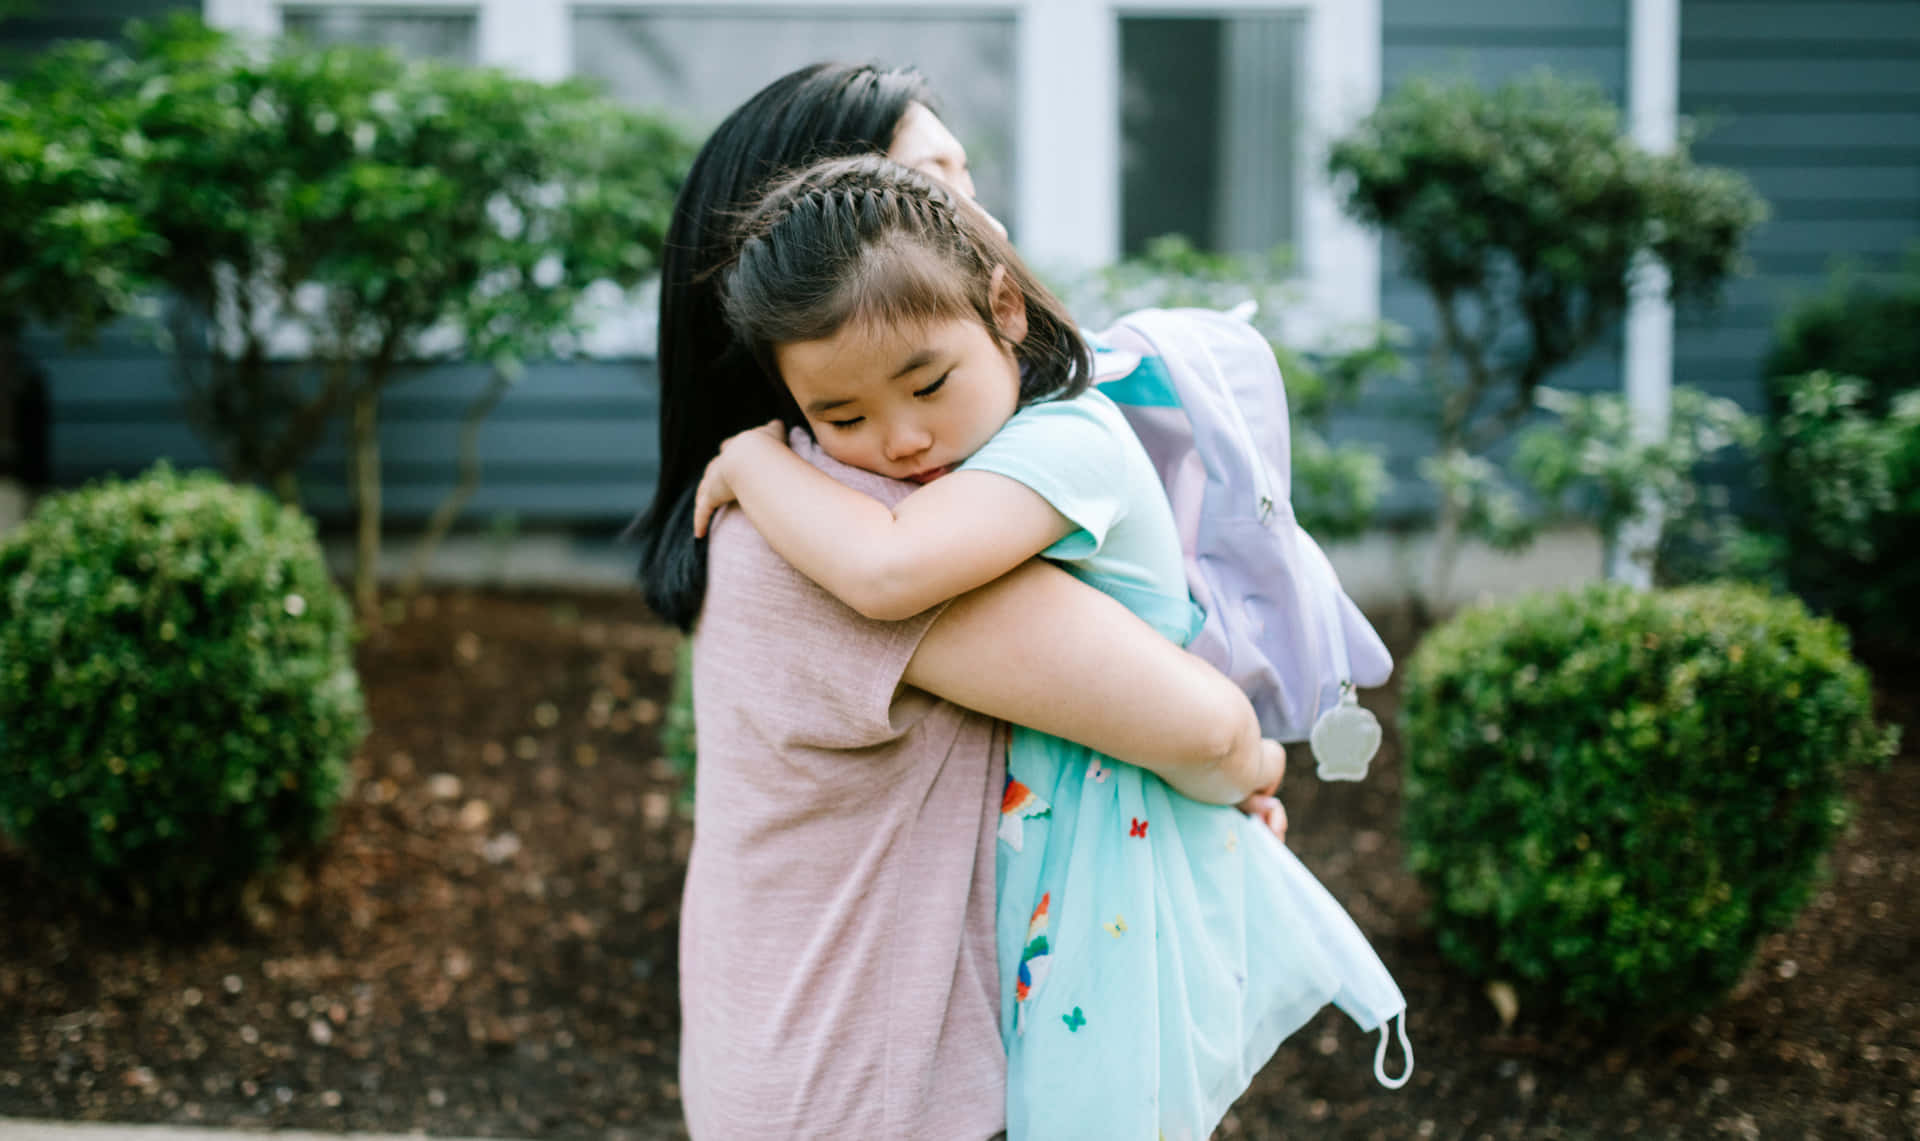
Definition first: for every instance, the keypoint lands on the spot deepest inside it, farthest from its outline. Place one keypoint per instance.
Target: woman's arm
(957, 533)
(1038, 648)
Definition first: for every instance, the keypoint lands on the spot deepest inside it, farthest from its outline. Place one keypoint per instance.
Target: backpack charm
(1345, 738)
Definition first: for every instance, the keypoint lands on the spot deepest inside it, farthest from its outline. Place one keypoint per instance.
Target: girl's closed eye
(851, 422)
(930, 389)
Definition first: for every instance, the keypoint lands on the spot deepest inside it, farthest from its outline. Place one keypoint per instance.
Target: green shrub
(1591, 463)
(1613, 795)
(677, 741)
(177, 695)
(1856, 328)
(1844, 398)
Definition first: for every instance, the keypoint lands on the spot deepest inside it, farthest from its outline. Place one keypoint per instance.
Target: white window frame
(1067, 140)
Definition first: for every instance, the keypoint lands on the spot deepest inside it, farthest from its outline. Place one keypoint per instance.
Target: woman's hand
(714, 491)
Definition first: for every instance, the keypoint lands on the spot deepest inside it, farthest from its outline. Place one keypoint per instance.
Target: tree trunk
(13, 371)
(1446, 551)
(366, 500)
(450, 507)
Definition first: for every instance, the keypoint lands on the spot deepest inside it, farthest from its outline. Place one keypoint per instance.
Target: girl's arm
(957, 533)
(1038, 648)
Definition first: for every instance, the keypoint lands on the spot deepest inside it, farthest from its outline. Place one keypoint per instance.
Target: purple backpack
(1204, 393)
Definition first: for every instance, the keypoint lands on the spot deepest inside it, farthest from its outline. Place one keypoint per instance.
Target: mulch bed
(487, 946)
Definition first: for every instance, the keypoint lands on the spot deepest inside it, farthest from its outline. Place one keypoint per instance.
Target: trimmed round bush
(1612, 796)
(177, 695)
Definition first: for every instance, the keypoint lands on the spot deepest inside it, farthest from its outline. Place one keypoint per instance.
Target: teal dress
(1153, 950)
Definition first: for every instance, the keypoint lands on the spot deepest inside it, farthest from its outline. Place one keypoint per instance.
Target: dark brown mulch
(487, 946)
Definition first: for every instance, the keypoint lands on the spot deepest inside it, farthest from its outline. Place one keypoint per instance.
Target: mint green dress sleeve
(1067, 452)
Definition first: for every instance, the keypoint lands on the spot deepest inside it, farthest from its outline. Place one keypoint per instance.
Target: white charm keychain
(1345, 738)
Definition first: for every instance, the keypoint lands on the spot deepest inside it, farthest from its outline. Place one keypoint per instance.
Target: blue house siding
(1490, 41)
(571, 441)
(42, 24)
(1818, 102)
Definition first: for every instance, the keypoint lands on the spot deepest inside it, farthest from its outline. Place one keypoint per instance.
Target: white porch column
(532, 39)
(257, 18)
(1340, 256)
(1068, 133)
(1653, 103)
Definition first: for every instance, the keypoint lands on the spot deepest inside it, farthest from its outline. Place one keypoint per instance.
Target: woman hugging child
(1154, 949)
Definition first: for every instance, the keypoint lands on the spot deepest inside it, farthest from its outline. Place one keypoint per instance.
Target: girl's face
(910, 401)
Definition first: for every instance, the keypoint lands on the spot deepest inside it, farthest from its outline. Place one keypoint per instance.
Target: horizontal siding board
(1748, 392)
(1798, 236)
(1839, 204)
(1706, 26)
(1778, 263)
(80, 450)
(1601, 64)
(1711, 79)
(80, 380)
(607, 498)
(1405, 19)
(610, 497)
(1758, 292)
(1748, 343)
(555, 446)
(1864, 131)
(1894, 152)
(1746, 302)
(607, 501)
(124, 338)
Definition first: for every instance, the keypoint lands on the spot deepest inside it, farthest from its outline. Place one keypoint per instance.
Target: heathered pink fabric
(837, 970)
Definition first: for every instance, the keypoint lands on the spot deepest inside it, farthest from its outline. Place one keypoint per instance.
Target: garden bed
(487, 946)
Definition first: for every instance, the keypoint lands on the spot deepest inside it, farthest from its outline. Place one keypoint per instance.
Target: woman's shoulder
(887, 491)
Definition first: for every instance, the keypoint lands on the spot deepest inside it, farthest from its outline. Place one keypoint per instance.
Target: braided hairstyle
(866, 239)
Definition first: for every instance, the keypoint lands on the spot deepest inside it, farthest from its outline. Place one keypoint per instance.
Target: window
(1093, 125)
(1208, 124)
(701, 65)
(429, 33)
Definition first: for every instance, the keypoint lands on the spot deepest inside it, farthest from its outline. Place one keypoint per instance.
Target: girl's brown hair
(866, 239)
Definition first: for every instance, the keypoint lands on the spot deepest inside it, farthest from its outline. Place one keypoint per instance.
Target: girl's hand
(1269, 811)
(1262, 804)
(714, 491)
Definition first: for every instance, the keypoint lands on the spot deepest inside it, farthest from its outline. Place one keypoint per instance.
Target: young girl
(1154, 950)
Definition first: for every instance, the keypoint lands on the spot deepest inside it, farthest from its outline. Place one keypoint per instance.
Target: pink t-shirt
(837, 970)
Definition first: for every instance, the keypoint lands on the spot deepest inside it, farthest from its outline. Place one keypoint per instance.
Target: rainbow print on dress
(1033, 963)
(1017, 803)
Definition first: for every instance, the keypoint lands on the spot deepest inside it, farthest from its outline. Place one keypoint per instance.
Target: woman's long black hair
(710, 385)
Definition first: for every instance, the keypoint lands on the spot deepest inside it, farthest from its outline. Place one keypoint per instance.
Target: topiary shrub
(1613, 795)
(1524, 211)
(176, 690)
